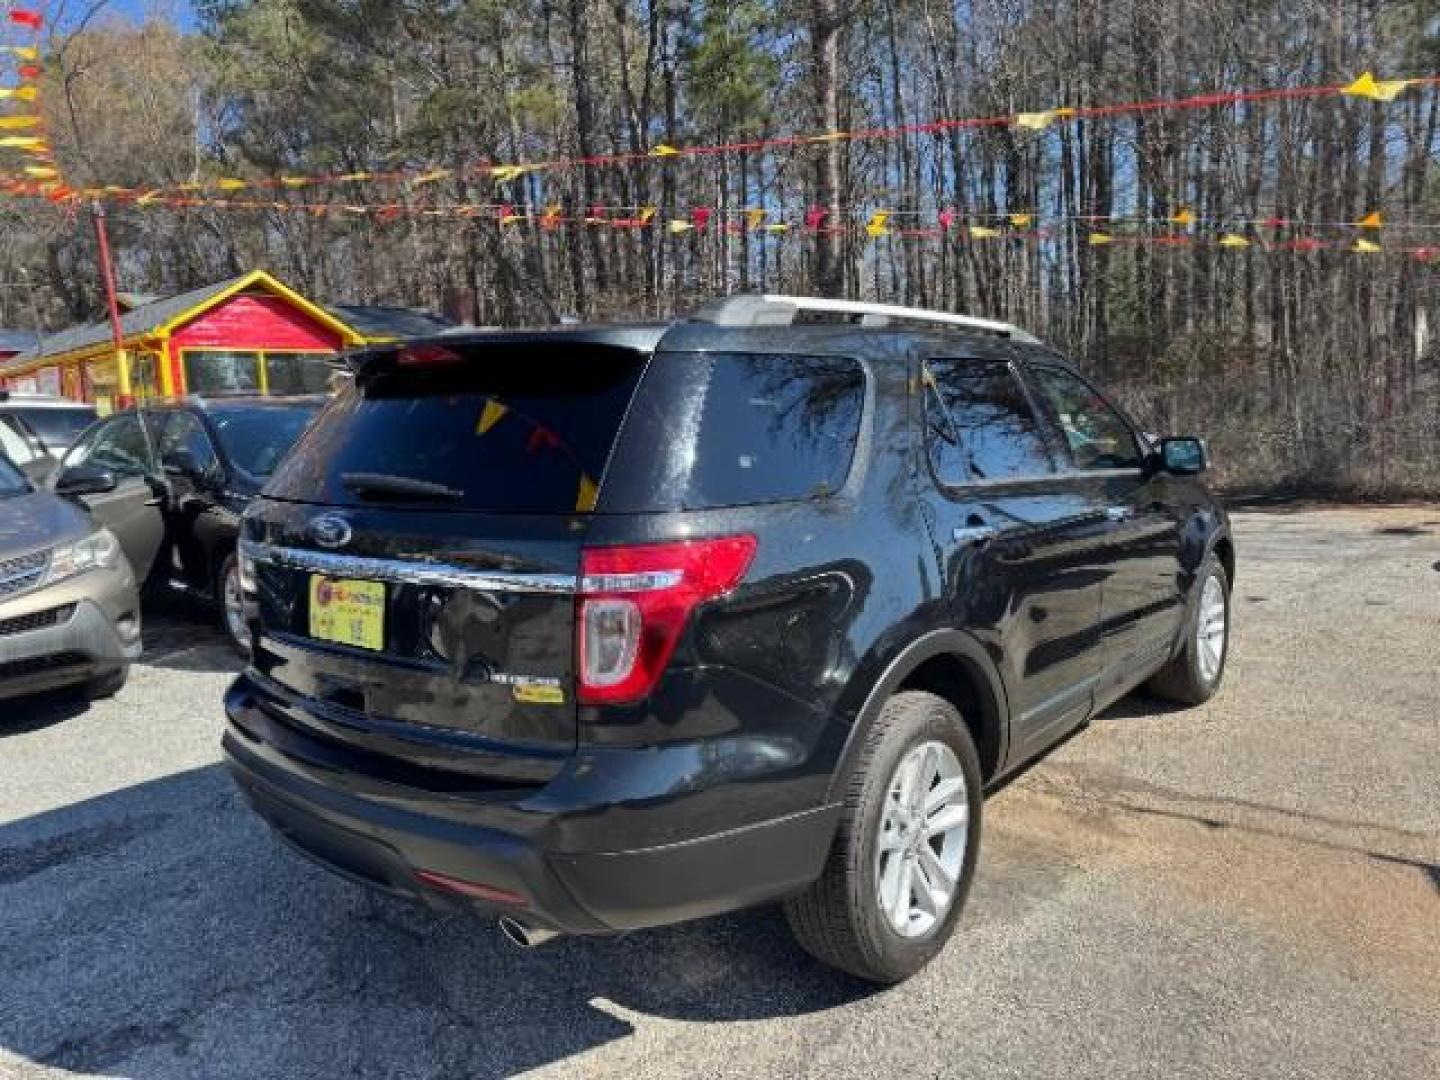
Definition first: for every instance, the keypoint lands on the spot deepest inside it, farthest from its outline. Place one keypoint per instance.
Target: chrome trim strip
(410, 571)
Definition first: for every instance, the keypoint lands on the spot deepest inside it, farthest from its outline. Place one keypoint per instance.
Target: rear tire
(1193, 677)
(844, 919)
(106, 685)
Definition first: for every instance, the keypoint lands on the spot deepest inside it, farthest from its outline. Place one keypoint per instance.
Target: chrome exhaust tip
(524, 936)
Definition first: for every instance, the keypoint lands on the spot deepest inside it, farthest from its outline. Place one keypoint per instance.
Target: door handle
(1119, 513)
(973, 534)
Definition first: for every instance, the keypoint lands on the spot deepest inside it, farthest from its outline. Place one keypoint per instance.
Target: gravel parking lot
(1249, 889)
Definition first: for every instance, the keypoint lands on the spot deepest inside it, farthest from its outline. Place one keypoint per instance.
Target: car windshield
(257, 437)
(57, 426)
(12, 480)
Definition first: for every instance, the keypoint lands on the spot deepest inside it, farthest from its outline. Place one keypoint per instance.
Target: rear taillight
(634, 603)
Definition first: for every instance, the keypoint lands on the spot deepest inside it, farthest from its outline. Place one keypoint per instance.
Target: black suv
(604, 628)
(174, 477)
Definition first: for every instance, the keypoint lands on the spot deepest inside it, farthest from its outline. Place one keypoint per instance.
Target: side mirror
(85, 480)
(1184, 456)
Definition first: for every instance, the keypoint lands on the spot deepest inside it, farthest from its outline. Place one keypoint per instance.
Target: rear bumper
(382, 835)
(83, 643)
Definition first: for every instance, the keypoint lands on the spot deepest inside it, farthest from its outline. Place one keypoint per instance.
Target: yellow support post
(122, 376)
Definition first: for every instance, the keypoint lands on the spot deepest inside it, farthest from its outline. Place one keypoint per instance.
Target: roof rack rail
(773, 310)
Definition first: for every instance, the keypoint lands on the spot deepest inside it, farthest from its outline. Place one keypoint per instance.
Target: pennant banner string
(1366, 87)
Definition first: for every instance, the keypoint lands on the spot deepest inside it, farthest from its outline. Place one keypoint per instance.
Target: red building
(248, 334)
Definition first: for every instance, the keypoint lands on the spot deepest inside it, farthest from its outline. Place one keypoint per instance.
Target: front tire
(108, 684)
(231, 605)
(906, 849)
(1193, 677)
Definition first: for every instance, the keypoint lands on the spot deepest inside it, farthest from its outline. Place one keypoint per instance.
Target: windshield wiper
(389, 486)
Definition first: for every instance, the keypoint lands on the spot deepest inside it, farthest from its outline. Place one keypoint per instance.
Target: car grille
(25, 572)
(38, 620)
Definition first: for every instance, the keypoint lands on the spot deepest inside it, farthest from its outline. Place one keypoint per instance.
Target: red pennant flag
(29, 71)
(387, 213)
(700, 218)
(947, 218)
(1275, 222)
(32, 19)
(815, 217)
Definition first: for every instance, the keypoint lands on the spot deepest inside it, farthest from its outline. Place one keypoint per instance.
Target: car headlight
(99, 550)
(247, 569)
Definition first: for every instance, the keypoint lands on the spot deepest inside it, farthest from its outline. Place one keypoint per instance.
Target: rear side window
(731, 429)
(525, 429)
(980, 425)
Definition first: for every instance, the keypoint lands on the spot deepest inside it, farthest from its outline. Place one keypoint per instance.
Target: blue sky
(179, 10)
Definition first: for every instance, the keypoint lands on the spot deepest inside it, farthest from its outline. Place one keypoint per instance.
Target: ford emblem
(330, 531)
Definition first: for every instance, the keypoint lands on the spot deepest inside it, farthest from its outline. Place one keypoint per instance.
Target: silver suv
(69, 606)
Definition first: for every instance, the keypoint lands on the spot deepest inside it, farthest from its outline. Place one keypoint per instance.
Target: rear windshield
(735, 429)
(526, 430)
(57, 427)
(256, 439)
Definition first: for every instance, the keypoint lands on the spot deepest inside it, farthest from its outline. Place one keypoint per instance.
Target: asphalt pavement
(1249, 889)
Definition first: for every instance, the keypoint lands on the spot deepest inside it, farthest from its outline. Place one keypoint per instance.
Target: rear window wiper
(389, 486)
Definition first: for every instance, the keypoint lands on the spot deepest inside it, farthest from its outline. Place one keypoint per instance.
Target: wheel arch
(953, 665)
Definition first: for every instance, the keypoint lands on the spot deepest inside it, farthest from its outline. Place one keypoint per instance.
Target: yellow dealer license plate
(347, 611)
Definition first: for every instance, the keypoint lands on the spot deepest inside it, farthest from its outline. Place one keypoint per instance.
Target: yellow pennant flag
(1367, 86)
(1039, 121)
(877, 225)
(430, 177)
(510, 219)
(356, 176)
(1021, 221)
(777, 227)
(1234, 240)
(41, 172)
(24, 52)
(294, 181)
(1365, 247)
(505, 173)
(1182, 217)
(829, 136)
(981, 232)
(490, 415)
(663, 150)
(677, 225)
(647, 214)
(147, 198)
(229, 183)
(1098, 239)
(17, 123)
(22, 141)
(1035, 121)
(586, 496)
(754, 218)
(1372, 220)
(20, 93)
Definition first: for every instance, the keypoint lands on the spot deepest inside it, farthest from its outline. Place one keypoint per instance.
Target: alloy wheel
(924, 830)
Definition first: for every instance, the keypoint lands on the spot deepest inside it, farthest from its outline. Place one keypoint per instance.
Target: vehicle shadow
(33, 712)
(181, 635)
(160, 931)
